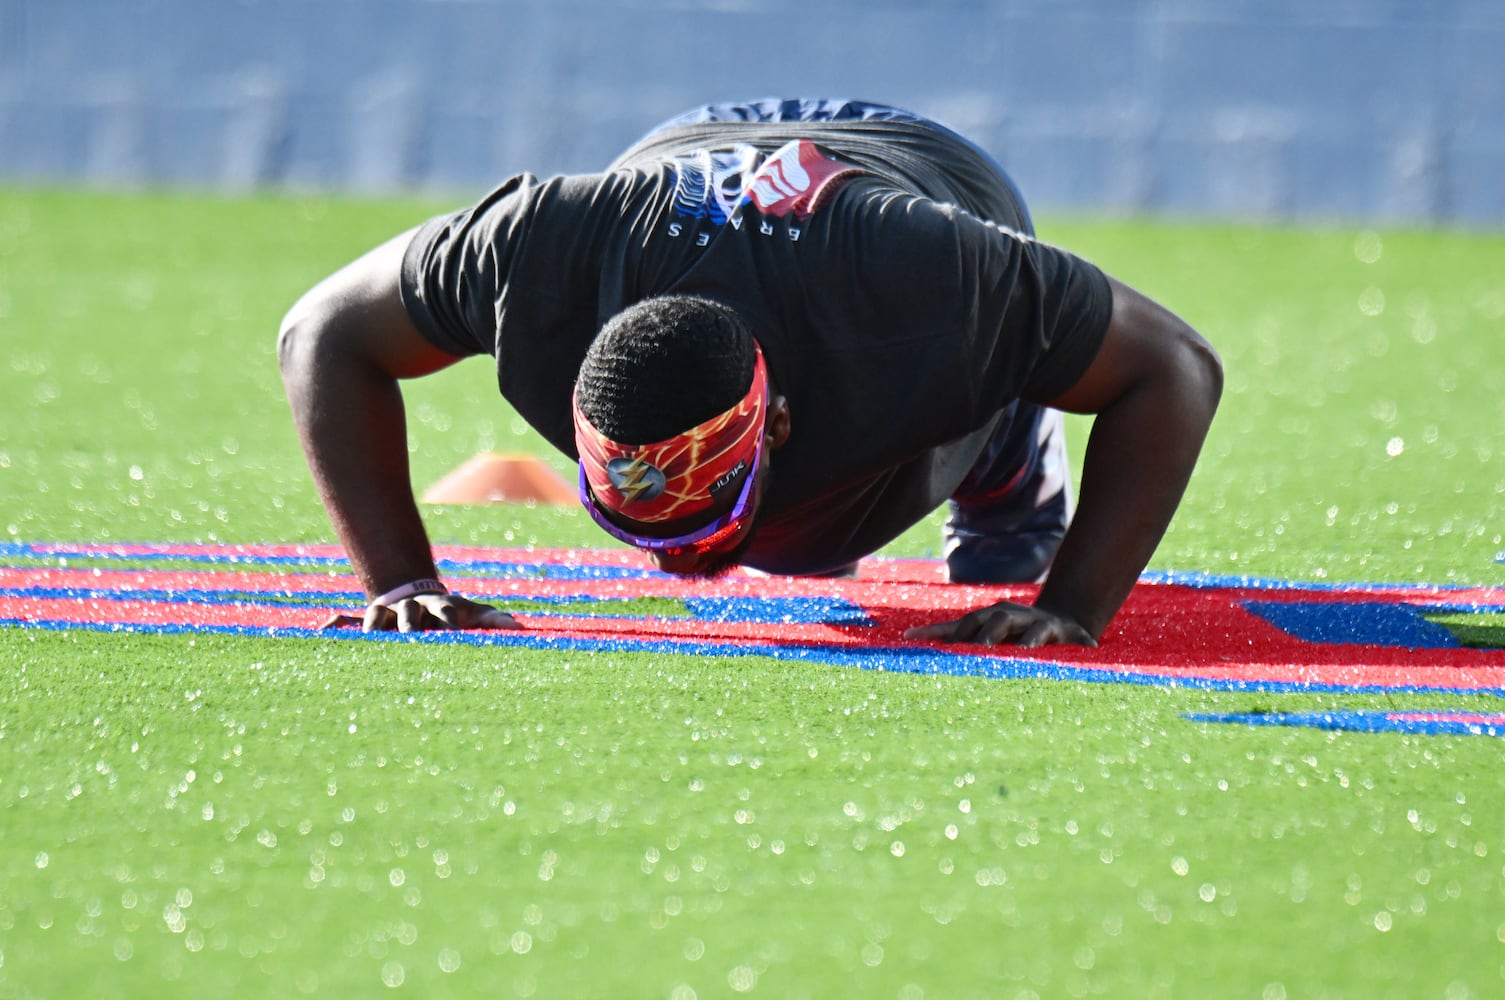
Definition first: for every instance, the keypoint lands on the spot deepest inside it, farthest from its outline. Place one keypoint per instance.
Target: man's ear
(776, 425)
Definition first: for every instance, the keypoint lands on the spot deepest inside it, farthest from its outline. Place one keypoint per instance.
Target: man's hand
(1006, 622)
(428, 612)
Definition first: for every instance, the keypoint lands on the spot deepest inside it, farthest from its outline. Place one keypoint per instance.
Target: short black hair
(662, 366)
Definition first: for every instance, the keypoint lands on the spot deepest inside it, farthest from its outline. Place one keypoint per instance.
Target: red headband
(680, 476)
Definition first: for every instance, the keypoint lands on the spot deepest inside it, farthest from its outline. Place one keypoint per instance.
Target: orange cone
(490, 478)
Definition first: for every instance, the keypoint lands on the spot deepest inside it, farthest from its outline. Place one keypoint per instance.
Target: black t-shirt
(880, 266)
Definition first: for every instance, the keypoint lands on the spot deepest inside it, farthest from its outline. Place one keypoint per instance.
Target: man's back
(898, 325)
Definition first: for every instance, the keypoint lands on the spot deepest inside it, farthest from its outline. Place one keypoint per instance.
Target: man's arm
(1154, 386)
(342, 349)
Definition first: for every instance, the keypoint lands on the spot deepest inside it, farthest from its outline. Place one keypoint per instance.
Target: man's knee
(1008, 523)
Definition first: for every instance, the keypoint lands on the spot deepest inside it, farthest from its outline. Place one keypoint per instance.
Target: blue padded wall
(1383, 110)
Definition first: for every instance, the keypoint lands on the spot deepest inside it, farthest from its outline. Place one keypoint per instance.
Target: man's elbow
(293, 359)
(1201, 368)
(289, 336)
(298, 340)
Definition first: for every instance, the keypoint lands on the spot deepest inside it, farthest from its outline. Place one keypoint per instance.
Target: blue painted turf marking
(23, 550)
(1361, 624)
(192, 595)
(1448, 722)
(1223, 581)
(754, 610)
(892, 659)
(778, 610)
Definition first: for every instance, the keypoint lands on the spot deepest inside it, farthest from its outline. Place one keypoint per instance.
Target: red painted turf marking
(1165, 631)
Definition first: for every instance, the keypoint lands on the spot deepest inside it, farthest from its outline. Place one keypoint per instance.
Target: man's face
(726, 554)
(723, 550)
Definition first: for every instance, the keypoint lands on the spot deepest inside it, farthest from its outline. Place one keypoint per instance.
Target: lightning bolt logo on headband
(635, 479)
(679, 476)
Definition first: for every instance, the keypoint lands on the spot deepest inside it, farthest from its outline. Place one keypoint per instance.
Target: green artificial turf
(251, 818)
(1478, 630)
(203, 815)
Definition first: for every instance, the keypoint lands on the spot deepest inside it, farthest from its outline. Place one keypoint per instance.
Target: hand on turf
(1007, 622)
(428, 612)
